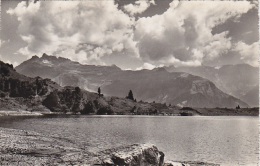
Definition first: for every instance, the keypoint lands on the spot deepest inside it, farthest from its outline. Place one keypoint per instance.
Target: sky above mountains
(132, 34)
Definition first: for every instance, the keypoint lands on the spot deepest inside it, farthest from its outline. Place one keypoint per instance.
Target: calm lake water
(222, 140)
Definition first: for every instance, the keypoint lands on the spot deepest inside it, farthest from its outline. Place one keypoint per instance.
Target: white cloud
(177, 62)
(90, 31)
(146, 66)
(218, 45)
(2, 42)
(14, 63)
(248, 53)
(82, 30)
(182, 35)
(139, 7)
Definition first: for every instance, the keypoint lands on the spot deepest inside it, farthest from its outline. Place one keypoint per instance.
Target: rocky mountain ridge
(240, 80)
(159, 85)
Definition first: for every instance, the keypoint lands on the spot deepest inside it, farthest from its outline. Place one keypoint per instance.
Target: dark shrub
(105, 111)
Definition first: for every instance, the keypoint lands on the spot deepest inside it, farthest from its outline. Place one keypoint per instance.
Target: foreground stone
(19, 147)
(188, 163)
(146, 154)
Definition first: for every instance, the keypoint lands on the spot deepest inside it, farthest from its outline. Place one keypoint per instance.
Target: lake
(222, 140)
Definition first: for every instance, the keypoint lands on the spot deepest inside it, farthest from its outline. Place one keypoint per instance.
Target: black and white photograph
(129, 83)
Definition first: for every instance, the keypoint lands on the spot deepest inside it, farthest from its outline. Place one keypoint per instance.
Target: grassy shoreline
(190, 112)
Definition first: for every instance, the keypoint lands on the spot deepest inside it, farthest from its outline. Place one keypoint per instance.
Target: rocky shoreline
(19, 113)
(20, 147)
(181, 112)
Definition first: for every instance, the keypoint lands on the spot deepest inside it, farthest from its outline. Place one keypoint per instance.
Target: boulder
(188, 163)
(173, 163)
(135, 155)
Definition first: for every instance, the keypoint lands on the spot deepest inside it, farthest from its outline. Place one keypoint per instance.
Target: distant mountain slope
(252, 96)
(236, 80)
(13, 84)
(149, 85)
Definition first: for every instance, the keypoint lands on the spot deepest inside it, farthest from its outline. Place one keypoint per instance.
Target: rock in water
(134, 155)
(188, 163)
(172, 163)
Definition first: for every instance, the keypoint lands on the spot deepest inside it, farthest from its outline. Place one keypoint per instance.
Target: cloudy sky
(132, 34)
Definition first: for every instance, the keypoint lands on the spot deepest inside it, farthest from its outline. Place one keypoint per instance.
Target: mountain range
(240, 80)
(158, 85)
(19, 92)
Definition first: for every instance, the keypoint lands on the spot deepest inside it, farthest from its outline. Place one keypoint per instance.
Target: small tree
(238, 107)
(99, 91)
(77, 90)
(130, 95)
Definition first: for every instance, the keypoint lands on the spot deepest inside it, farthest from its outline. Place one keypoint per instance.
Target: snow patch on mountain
(184, 75)
(182, 104)
(218, 67)
(47, 63)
